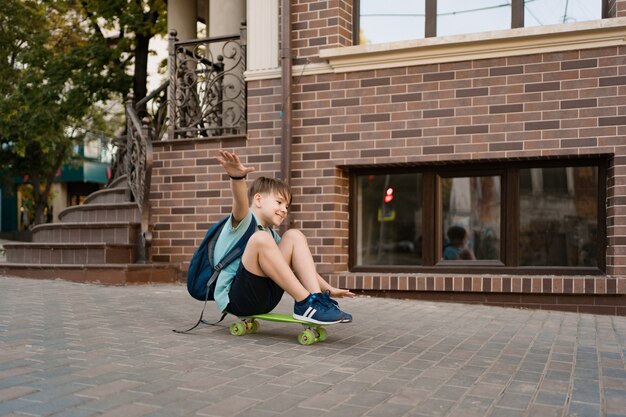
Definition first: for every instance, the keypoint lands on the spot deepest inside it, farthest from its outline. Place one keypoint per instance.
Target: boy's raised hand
(232, 165)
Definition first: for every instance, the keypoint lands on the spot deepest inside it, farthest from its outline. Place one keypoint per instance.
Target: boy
(457, 248)
(269, 265)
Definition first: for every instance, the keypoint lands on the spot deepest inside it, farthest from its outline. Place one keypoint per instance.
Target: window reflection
(389, 219)
(391, 20)
(455, 18)
(558, 216)
(471, 218)
(550, 12)
(397, 20)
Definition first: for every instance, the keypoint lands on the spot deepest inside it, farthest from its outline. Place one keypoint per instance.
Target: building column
(225, 17)
(263, 27)
(182, 16)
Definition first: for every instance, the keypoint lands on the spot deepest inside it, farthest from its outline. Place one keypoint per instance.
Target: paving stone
(540, 410)
(434, 407)
(346, 410)
(388, 409)
(505, 412)
(577, 409)
(556, 399)
(368, 399)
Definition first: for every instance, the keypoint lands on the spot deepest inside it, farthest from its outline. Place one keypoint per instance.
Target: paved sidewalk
(77, 350)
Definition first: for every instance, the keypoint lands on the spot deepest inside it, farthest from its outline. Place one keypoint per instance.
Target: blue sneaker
(315, 309)
(347, 317)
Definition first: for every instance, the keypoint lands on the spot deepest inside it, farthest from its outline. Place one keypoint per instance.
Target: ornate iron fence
(207, 90)
(139, 171)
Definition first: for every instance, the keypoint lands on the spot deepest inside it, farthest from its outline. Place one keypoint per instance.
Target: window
(378, 21)
(521, 217)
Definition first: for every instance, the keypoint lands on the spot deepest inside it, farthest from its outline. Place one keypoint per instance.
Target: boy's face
(272, 208)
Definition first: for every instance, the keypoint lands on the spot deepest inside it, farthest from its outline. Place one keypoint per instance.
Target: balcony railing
(207, 91)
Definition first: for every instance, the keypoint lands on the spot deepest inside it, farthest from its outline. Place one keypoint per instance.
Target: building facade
(485, 167)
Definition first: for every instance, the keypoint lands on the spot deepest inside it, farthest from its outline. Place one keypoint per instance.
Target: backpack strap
(233, 254)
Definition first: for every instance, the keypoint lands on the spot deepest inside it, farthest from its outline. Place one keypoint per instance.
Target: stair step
(70, 253)
(119, 274)
(119, 182)
(101, 213)
(112, 232)
(108, 195)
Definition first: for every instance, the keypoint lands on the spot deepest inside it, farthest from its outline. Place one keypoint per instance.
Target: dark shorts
(251, 294)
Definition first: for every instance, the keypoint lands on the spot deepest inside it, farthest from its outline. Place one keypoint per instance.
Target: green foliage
(59, 61)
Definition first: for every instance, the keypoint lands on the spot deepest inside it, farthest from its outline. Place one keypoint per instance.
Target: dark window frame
(517, 17)
(509, 220)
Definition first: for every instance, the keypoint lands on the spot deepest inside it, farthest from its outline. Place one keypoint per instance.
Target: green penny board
(250, 324)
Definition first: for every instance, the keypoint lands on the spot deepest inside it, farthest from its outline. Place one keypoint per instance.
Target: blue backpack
(202, 273)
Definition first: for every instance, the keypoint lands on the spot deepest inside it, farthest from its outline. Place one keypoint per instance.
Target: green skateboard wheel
(321, 334)
(252, 326)
(307, 337)
(238, 329)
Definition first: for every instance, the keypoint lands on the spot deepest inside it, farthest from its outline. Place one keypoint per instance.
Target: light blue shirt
(227, 239)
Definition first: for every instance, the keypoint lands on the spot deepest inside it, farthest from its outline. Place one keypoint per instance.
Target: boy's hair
(456, 233)
(264, 185)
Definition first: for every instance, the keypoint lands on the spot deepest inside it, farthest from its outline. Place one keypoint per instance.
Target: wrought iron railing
(205, 96)
(153, 107)
(139, 172)
(207, 90)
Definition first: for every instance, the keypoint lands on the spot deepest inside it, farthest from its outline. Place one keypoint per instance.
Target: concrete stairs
(96, 241)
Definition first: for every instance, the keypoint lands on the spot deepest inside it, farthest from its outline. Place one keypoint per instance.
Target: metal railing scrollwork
(139, 172)
(207, 90)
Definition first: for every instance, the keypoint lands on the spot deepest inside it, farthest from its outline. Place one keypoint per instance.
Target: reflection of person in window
(456, 248)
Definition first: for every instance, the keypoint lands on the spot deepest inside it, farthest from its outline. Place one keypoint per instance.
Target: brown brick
(409, 133)
(406, 97)
(579, 143)
(518, 69)
(543, 125)
(320, 121)
(575, 104)
(383, 117)
(472, 129)
(506, 108)
(372, 82)
(439, 76)
(578, 64)
(612, 121)
(551, 86)
(431, 150)
(608, 81)
(438, 113)
(472, 92)
(316, 87)
(355, 101)
(260, 125)
(341, 137)
(369, 153)
(183, 210)
(506, 146)
(184, 178)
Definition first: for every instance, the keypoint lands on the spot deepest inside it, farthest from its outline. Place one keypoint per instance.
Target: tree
(51, 75)
(58, 61)
(127, 26)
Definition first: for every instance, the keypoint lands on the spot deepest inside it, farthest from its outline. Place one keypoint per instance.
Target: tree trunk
(140, 77)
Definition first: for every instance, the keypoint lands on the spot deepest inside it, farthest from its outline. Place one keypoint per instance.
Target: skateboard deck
(311, 333)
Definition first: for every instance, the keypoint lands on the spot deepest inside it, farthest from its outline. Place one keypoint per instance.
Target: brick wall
(319, 24)
(544, 105)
